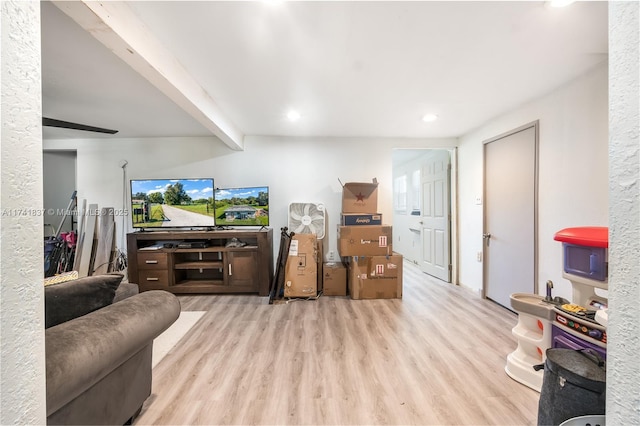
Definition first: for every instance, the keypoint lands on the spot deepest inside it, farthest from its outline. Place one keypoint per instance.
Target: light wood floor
(437, 356)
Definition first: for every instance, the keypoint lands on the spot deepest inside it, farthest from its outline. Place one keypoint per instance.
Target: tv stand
(156, 262)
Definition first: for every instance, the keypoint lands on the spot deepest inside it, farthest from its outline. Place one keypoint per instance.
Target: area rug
(163, 344)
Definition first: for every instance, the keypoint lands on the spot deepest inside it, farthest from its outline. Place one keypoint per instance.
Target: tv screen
(246, 206)
(172, 203)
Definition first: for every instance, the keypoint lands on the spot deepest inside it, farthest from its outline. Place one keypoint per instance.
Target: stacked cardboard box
(375, 277)
(364, 240)
(361, 219)
(375, 271)
(303, 266)
(334, 279)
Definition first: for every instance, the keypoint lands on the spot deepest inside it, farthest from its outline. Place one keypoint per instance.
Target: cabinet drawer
(152, 279)
(152, 260)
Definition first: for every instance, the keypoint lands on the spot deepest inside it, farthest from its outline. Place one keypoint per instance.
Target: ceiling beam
(116, 26)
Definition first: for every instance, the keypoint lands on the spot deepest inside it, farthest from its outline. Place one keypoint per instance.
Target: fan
(307, 218)
(51, 122)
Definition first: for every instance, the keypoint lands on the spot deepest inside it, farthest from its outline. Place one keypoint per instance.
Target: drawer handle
(150, 261)
(153, 279)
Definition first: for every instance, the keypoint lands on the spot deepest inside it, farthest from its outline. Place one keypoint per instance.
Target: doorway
(435, 223)
(510, 214)
(424, 231)
(59, 183)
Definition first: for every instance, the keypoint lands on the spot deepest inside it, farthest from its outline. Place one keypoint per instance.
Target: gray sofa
(98, 363)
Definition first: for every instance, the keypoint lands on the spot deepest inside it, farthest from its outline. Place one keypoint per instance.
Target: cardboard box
(334, 279)
(320, 259)
(301, 269)
(359, 219)
(375, 277)
(360, 197)
(365, 240)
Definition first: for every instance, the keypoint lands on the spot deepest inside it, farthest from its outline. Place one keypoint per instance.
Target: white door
(436, 215)
(510, 214)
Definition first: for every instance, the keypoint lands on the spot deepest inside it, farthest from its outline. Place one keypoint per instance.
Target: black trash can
(573, 385)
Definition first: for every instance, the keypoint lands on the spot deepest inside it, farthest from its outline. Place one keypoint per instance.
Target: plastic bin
(573, 385)
(585, 421)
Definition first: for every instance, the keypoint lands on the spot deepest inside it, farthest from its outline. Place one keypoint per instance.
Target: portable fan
(307, 218)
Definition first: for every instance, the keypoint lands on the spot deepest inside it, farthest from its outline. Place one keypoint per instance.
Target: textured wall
(623, 369)
(22, 373)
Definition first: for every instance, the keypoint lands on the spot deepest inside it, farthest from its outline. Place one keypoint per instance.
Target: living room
(574, 131)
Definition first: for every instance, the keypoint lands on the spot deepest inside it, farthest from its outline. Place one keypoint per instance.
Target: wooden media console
(216, 261)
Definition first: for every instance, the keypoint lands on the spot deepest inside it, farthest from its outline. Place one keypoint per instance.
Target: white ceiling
(351, 68)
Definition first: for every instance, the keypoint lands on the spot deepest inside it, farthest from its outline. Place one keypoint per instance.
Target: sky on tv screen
(195, 188)
(226, 194)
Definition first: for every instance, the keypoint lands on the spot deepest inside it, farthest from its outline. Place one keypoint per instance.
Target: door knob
(487, 237)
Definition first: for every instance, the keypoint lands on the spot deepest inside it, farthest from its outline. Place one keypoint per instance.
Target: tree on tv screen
(175, 194)
(156, 198)
(263, 198)
(139, 196)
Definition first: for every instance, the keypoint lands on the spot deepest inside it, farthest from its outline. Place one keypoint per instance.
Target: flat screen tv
(246, 206)
(172, 203)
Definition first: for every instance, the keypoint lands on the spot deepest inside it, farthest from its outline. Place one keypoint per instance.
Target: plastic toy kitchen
(582, 324)
(548, 322)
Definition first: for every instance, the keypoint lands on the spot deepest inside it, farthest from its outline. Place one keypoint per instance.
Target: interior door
(436, 215)
(510, 214)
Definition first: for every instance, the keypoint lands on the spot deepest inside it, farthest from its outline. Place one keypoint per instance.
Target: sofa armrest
(80, 352)
(125, 290)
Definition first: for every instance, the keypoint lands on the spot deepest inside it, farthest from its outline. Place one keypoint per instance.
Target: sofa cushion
(124, 290)
(71, 299)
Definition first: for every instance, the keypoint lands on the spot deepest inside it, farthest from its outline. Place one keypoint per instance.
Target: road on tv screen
(177, 217)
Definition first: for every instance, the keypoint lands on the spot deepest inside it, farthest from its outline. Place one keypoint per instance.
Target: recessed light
(429, 118)
(293, 115)
(560, 3)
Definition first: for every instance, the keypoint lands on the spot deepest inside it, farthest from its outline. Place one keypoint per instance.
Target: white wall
(623, 367)
(573, 167)
(22, 361)
(295, 169)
